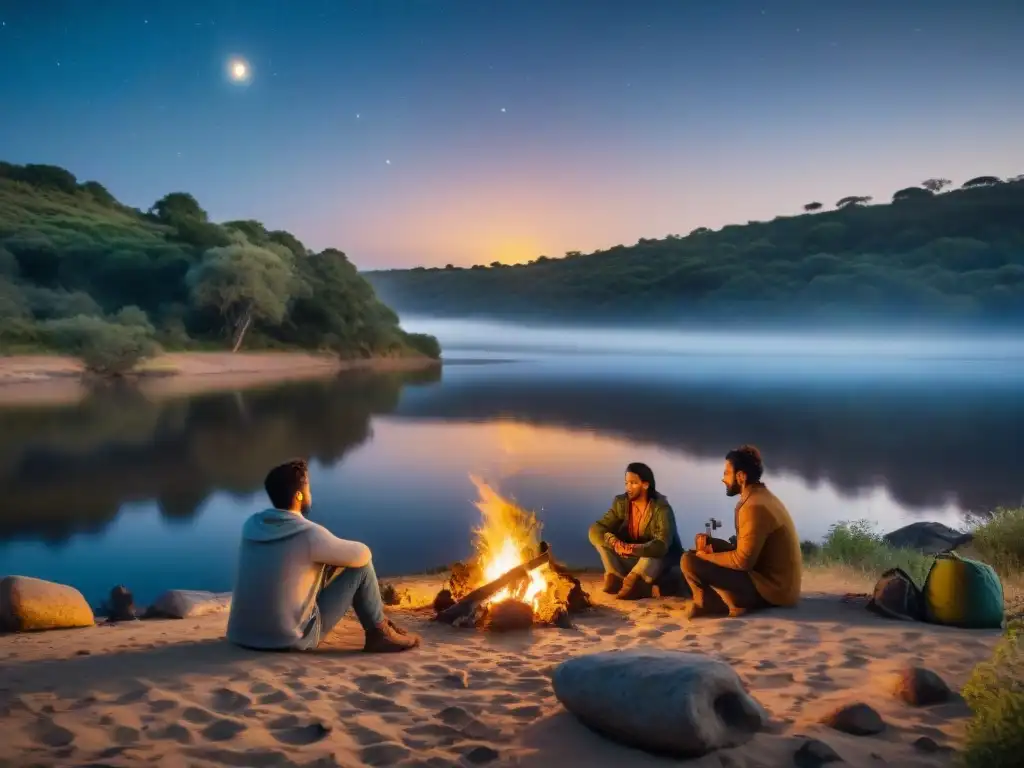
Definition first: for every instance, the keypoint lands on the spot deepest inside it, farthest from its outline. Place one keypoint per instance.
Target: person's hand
(622, 549)
(701, 543)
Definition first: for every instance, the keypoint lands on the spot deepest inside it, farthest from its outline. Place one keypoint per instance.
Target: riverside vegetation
(995, 690)
(85, 275)
(947, 256)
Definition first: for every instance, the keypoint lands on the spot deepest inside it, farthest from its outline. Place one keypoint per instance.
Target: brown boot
(386, 638)
(612, 583)
(634, 588)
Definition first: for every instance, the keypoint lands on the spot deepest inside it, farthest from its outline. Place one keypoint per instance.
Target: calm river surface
(119, 490)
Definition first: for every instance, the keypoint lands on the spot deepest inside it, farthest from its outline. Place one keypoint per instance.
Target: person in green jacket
(637, 538)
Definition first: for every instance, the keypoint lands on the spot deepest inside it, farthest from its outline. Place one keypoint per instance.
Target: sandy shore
(173, 693)
(51, 379)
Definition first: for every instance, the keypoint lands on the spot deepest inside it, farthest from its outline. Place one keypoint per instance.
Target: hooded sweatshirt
(281, 567)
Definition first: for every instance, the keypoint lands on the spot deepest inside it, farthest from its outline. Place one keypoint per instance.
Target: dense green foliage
(952, 255)
(995, 694)
(83, 274)
(859, 546)
(998, 541)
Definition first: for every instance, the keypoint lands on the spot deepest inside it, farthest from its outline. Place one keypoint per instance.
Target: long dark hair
(646, 475)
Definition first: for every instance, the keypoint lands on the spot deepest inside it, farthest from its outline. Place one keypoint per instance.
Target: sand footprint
(197, 715)
(373, 703)
(228, 700)
(48, 733)
(223, 730)
(383, 754)
(291, 731)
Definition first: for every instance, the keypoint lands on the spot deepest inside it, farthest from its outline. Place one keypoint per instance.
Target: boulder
(856, 719)
(920, 687)
(188, 604)
(668, 702)
(31, 605)
(929, 538)
(814, 754)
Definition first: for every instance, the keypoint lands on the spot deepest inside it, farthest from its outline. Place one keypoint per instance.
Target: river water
(122, 490)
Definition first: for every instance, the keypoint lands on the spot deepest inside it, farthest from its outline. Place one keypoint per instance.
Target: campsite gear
(963, 593)
(897, 597)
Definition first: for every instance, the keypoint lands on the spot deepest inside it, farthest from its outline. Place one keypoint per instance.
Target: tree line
(81, 273)
(955, 255)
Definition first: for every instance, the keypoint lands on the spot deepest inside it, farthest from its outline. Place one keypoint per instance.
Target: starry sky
(423, 132)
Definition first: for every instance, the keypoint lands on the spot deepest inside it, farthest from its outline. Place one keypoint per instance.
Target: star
(358, 115)
(502, 109)
(388, 162)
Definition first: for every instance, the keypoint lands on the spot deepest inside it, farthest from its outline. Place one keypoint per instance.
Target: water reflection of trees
(71, 469)
(927, 449)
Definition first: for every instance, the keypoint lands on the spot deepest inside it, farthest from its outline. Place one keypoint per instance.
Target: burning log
(469, 604)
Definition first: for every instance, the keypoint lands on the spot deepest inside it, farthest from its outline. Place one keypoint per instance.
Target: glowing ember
(508, 536)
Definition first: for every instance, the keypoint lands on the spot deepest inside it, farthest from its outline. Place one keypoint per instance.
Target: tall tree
(242, 283)
(981, 181)
(176, 207)
(853, 200)
(935, 185)
(912, 193)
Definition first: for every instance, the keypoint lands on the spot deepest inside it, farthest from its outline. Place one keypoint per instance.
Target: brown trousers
(717, 590)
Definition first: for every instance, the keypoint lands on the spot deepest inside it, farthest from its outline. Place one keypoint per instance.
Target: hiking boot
(387, 638)
(612, 583)
(634, 588)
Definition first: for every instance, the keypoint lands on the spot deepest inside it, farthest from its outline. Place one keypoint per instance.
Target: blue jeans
(649, 568)
(355, 588)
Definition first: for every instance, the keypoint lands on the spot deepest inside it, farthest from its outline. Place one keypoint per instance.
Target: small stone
(856, 719)
(814, 753)
(481, 755)
(83, 652)
(927, 744)
(921, 687)
(456, 679)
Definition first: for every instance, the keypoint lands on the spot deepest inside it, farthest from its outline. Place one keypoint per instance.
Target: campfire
(513, 580)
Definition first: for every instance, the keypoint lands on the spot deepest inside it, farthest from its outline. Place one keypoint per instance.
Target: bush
(995, 694)
(999, 539)
(425, 344)
(858, 545)
(105, 348)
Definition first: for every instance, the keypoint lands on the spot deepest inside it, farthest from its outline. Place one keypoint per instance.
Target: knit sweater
(767, 547)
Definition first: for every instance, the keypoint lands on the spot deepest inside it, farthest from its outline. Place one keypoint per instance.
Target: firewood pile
(465, 602)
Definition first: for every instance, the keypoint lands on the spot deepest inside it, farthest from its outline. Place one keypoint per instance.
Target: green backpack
(963, 593)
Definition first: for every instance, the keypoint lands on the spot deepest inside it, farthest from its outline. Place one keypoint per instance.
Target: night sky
(429, 131)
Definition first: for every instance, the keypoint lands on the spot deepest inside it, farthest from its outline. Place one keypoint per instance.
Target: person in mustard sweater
(763, 568)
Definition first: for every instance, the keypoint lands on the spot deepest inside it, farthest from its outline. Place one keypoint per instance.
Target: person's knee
(689, 563)
(596, 535)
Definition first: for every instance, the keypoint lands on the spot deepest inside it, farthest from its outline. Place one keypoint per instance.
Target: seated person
(763, 567)
(296, 580)
(637, 538)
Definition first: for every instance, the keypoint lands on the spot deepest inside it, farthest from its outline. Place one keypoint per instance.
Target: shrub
(999, 539)
(105, 348)
(858, 545)
(425, 344)
(995, 694)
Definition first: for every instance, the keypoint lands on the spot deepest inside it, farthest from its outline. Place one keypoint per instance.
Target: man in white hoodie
(296, 579)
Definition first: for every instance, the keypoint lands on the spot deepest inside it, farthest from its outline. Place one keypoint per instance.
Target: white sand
(173, 693)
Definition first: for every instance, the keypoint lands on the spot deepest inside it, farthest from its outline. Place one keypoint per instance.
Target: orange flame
(508, 536)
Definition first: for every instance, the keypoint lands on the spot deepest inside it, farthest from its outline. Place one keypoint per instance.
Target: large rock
(31, 605)
(920, 687)
(682, 704)
(188, 604)
(930, 538)
(857, 719)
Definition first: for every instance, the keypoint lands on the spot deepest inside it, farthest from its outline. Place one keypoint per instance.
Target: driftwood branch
(468, 604)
